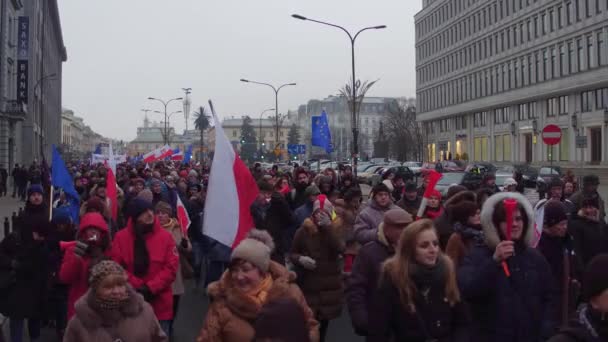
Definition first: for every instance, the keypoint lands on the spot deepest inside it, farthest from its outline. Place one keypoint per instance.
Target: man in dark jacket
(297, 197)
(589, 230)
(507, 283)
(589, 324)
(410, 201)
(589, 189)
(363, 280)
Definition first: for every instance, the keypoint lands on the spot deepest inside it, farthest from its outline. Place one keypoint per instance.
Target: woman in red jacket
(92, 245)
(149, 255)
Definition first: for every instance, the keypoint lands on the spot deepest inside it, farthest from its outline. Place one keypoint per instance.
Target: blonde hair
(396, 269)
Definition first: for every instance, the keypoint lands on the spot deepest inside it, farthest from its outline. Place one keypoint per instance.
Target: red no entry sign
(552, 134)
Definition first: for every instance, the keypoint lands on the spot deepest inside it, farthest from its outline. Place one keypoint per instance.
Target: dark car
(529, 174)
(481, 168)
(546, 174)
(444, 166)
(469, 180)
(403, 171)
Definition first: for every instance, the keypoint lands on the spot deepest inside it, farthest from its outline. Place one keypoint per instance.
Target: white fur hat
(255, 248)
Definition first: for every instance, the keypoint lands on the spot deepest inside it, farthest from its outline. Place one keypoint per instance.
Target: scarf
(425, 277)
(433, 213)
(141, 256)
(259, 294)
(170, 225)
(111, 304)
(109, 310)
(469, 233)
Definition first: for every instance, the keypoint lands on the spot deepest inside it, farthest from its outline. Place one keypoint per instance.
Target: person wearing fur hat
(366, 223)
(410, 201)
(417, 297)
(590, 322)
(363, 281)
(92, 245)
(589, 189)
(517, 302)
(164, 212)
(150, 257)
(315, 251)
(251, 282)
(111, 310)
(445, 223)
(589, 231)
(557, 246)
(465, 217)
(24, 256)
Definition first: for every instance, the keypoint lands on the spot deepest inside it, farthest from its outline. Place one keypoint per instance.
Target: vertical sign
(23, 44)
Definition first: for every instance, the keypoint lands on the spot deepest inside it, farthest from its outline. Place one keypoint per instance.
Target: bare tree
(403, 132)
(360, 90)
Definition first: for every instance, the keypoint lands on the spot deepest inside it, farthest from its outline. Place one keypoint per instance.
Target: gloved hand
(145, 291)
(81, 248)
(184, 243)
(307, 262)
(324, 220)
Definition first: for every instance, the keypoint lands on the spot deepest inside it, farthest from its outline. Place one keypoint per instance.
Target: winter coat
(348, 214)
(164, 261)
(581, 328)
(176, 231)
(297, 197)
(435, 319)
(302, 213)
(558, 251)
(28, 263)
(276, 219)
(460, 244)
(519, 308)
(590, 237)
(577, 199)
(366, 223)
(362, 284)
(322, 286)
(135, 323)
(410, 206)
(231, 314)
(444, 224)
(74, 269)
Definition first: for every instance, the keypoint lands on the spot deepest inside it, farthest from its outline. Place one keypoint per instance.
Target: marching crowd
(474, 265)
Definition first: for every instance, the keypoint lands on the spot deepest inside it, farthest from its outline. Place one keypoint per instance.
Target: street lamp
(276, 102)
(262, 114)
(167, 124)
(187, 102)
(165, 104)
(354, 121)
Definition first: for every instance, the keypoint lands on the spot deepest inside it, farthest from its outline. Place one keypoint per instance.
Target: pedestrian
(252, 281)
(467, 231)
(150, 257)
(293, 327)
(297, 196)
(510, 185)
(112, 311)
(305, 210)
(418, 297)
(366, 223)
(568, 190)
(489, 182)
(557, 246)
(15, 176)
(316, 251)
(589, 231)
(347, 209)
(555, 191)
(3, 180)
(363, 280)
(589, 189)
(589, 323)
(410, 201)
(164, 212)
(516, 300)
(444, 224)
(92, 245)
(25, 255)
(433, 209)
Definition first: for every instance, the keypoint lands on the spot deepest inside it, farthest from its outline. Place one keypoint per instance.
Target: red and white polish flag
(182, 216)
(158, 154)
(231, 191)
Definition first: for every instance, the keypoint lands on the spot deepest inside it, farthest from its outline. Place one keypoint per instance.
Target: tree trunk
(201, 153)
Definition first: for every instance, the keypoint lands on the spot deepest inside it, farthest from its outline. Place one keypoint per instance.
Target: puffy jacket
(366, 223)
(164, 261)
(590, 237)
(74, 269)
(519, 308)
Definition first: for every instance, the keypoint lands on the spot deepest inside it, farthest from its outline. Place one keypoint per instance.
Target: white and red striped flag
(231, 191)
(111, 187)
(182, 216)
(158, 154)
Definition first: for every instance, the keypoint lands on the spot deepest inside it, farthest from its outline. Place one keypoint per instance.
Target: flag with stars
(321, 135)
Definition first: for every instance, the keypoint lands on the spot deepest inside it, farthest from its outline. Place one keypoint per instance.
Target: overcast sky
(121, 52)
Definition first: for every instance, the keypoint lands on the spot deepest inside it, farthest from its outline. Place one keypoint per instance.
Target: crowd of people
(464, 267)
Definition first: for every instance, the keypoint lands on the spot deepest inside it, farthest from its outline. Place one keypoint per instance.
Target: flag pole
(51, 203)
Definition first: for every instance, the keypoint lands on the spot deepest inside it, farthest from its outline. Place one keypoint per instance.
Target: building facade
(150, 137)
(490, 74)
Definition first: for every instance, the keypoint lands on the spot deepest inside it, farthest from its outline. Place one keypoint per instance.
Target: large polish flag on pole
(157, 154)
(231, 191)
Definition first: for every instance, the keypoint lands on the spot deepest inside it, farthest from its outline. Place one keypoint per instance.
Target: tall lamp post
(165, 104)
(187, 102)
(276, 103)
(262, 114)
(354, 122)
(167, 126)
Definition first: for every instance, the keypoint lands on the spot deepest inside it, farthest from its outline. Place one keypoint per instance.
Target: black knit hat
(555, 212)
(595, 279)
(411, 187)
(591, 180)
(138, 206)
(590, 200)
(380, 187)
(556, 183)
(264, 186)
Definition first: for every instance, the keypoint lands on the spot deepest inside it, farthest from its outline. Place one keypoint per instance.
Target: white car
(414, 166)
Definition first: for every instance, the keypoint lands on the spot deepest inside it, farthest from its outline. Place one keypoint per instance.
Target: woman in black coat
(515, 308)
(418, 299)
(24, 255)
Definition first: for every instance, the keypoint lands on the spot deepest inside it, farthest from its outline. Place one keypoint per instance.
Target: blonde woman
(418, 298)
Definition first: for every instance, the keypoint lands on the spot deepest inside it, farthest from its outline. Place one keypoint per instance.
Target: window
(581, 55)
(531, 110)
(587, 101)
(601, 47)
(543, 22)
(552, 106)
(498, 115)
(560, 13)
(562, 56)
(498, 148)
(601, 98)
(563, 105)
(545, 64)
(552, 65)
(570, 57)
(523, 111)
(568, 13)
(590, 52)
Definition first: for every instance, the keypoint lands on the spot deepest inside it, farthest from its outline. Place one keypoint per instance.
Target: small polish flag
(177, 155)
(231, 191)
(182, 216)
(157, 154)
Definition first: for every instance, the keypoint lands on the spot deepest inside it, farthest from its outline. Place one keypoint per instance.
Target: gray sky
(120, 52)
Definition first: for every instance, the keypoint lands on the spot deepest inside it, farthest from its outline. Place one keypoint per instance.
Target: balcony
(14, 109)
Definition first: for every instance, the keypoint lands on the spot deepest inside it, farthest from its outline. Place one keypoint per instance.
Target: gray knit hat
(255, 248)
(103, 269)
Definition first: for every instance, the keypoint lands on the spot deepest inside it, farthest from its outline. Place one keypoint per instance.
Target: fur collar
(91, 319)
(311, 228)
(239, 303)
(491, 232)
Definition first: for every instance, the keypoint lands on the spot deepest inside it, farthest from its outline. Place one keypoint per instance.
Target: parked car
(546, 174)
(366, 176)
(501, 177)
(529, 174)
(398, 170)
(448, 179)
(446, 166)
(481, 168)
(414, 166)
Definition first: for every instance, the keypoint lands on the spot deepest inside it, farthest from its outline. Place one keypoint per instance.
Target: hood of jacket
(243, 306)
(93, 220)
(490, 231)
(91, 319)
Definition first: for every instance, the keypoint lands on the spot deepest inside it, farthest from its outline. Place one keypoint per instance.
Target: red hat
(183, 174)
(437, 194)
(94, 220)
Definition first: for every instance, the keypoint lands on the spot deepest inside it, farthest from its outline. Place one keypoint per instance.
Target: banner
(101, 158)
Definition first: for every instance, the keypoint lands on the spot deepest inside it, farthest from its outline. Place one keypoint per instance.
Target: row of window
(524, 31)
(576, 55)
(597, 96)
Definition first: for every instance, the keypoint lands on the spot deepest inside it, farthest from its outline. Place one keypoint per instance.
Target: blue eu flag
(188, 155)
(321, 135)
(60, 178)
